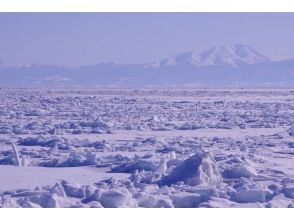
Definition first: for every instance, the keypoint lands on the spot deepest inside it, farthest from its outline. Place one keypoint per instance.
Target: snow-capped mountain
(228, 54)
(227, 65)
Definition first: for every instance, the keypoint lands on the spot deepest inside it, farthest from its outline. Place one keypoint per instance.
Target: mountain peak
(233, 55)
(228, 54)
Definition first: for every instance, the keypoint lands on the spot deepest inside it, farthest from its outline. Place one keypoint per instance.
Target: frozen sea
(157, 148)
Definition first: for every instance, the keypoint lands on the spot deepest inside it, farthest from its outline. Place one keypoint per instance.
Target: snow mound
(115, 198)
(147, 200)
(199, 169)
(186, 200)
(291, 131)
(74, 159)
(73, 190)
(240, 170)
(252, 195)
(144, 177)
(249, 192)
(54, 201)
(33, 141)
(138, 165)
(288, 189)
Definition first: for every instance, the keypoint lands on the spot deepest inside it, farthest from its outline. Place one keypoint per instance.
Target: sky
(76, 39)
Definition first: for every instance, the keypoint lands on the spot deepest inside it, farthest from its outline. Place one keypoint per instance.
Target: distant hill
(226, 65)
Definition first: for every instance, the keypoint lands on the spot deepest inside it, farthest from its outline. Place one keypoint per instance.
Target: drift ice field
(146, 148)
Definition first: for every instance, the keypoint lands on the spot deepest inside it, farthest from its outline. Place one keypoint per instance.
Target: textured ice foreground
(147, 148)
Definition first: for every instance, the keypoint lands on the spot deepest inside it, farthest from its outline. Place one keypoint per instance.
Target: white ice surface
(12, 177)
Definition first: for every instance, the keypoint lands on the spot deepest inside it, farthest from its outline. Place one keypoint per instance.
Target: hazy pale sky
(89, 38)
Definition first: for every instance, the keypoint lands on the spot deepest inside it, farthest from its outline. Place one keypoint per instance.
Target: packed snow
(146, 148)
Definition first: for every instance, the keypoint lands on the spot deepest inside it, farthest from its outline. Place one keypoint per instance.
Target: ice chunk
(94, 204)
(144, 177)
(53, 150)
(217, 203)
(33, 141)
(73, 190)
(164, 203)
(115, 198)
(58, 190)
(147, 200)
(250, 192)
(205, 191)
(288, 190)
(240, 170)
(162, 168)
(186, 200)
(17, 159)
(250, 196)
(279, 201)
(36, 112)
(199, 169)
(138, 165)
(291, 131)
(74, 159)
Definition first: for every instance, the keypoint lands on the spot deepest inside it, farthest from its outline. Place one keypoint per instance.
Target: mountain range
(233, 65)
